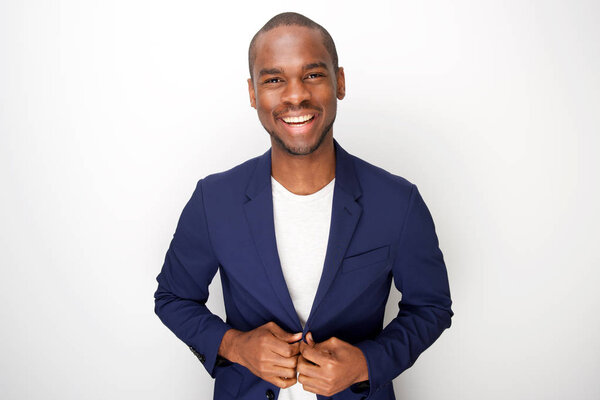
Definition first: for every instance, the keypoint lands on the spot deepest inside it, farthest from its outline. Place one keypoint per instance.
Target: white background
(110, 111)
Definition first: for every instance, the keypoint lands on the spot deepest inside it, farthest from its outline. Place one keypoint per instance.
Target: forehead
(290, 46)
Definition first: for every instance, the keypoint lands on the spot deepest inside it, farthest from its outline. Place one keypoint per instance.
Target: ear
(341, 84)
(251, 93)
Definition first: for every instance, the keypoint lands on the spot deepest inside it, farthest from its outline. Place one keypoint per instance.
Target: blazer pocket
(229, 379)
(374, 256)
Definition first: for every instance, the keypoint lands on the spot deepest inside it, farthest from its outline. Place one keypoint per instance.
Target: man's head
(295, 19)
(295, 82)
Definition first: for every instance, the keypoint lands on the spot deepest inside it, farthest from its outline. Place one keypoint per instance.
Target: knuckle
(290, 382)
(281, 383)
(329, 390)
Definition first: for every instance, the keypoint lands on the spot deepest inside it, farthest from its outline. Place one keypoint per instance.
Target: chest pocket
(378, 255)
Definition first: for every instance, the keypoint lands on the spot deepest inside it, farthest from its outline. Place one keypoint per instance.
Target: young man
(307, 239)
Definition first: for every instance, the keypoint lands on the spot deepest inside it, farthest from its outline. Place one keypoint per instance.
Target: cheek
(327, 95)
(330, 102)
(264, 112)
(267, 98)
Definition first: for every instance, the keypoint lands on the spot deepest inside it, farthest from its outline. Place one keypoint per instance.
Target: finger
(295, 348)
(282, 372)
(284, 349)
(310, 339)
(302, 347)
(314, 355)
(310, 384)
(307, 368)
(294, 337)
(286, 362)
(282, 383)
(278, 332)
(330, 346)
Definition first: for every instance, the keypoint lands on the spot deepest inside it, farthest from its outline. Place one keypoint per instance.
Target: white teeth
(296, 120)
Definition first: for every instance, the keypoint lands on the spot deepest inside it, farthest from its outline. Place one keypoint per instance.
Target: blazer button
(270, 394)
(201, 357)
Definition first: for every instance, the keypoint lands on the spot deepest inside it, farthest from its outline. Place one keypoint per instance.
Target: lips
(299, 124)
(299, 120)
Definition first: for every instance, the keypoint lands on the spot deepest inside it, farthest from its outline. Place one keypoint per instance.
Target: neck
(304, 174)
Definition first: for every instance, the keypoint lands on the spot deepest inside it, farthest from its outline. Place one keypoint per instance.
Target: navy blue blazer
(380, 230)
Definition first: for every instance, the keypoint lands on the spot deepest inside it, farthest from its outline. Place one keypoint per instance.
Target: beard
(302, 150)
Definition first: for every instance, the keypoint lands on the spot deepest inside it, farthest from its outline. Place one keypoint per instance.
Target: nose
(295, 92)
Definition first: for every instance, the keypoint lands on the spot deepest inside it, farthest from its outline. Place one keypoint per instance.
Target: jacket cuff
(371, 350)
(360, 387)
(206, 349)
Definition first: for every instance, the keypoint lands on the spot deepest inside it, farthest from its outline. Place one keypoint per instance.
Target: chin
(297, 149)
(304, 147)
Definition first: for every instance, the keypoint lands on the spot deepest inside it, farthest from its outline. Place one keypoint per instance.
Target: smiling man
(308, 239)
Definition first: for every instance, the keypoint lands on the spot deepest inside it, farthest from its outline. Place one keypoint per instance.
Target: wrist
(363, 369)
(228, 347)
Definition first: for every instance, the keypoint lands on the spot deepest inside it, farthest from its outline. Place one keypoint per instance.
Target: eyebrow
(319, 64)
(274, 71)
(269, 71)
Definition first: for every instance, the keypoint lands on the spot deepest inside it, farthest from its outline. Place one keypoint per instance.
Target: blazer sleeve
(424, 310)
(189, 267)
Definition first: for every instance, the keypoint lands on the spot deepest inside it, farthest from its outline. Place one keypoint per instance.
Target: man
(307, 239)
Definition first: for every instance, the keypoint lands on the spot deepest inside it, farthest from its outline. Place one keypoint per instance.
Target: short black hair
(292, 18)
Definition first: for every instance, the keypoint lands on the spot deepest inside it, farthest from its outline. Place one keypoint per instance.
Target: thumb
(294, 337)
(283, 335)
(310, 339)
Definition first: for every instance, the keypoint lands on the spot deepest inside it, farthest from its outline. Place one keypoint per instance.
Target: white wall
(110, 111)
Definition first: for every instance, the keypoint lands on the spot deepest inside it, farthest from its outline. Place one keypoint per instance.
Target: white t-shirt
(302, 232)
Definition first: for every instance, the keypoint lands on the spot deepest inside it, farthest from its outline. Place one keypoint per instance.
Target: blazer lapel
(259, 213)
(345, 214)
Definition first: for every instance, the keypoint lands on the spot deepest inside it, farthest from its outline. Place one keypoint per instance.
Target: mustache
(296, 109)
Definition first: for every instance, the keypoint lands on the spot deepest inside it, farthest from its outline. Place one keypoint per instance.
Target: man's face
(295, 88)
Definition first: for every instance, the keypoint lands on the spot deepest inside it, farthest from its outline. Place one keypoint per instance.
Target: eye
(272, 80)
(314, 75)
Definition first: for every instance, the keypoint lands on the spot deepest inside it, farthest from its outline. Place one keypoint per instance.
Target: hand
(268, 352)
(331, 366)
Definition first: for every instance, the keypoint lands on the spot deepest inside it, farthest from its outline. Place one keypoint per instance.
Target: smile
(298, 121)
